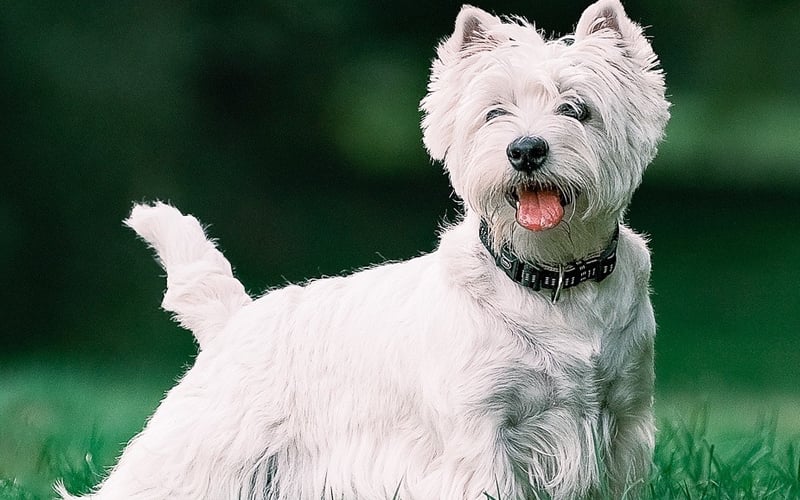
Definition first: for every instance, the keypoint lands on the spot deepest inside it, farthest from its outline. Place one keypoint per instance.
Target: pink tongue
(539, 210)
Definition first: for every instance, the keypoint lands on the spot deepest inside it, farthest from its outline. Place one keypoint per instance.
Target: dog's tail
(201, 290)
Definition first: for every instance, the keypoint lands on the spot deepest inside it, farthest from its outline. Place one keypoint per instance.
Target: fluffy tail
(201, 289)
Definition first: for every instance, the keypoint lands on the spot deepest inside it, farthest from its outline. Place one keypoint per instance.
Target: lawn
(69, 421)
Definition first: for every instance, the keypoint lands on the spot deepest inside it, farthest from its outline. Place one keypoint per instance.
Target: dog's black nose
(528, 153)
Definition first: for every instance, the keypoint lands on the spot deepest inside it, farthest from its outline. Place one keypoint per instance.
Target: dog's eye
(495, 112)
(574, 109)
(567, 40)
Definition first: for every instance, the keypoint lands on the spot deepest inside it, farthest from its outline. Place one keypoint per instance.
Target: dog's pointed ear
(471, 34)
(606, 15)
(472, 28)
(474, 33)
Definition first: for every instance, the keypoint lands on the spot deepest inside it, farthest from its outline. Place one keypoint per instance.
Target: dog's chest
(548, 375)
(545, 401)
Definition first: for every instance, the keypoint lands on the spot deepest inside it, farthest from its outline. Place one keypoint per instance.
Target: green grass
(68, 422)
(689, 465)
(60, 423)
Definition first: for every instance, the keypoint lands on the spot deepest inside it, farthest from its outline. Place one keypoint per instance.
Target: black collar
(554, 277)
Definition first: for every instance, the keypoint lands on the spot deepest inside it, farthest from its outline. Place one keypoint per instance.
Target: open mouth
(538, 206)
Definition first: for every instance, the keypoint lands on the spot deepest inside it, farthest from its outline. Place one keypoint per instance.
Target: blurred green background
(293, 128)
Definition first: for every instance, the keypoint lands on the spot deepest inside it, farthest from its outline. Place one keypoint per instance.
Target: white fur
(201, 289)
(437, 378)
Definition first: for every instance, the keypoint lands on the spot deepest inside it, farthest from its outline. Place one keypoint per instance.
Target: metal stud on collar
(559, 285)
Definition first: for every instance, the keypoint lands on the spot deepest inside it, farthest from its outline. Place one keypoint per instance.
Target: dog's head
(538, 133)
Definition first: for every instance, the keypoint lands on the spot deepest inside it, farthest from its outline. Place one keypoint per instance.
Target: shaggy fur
(439, 377)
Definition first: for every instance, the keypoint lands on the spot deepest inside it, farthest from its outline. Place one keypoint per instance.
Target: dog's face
(537, 132)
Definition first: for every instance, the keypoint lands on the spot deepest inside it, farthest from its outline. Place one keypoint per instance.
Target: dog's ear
(606, 15)
(472, 29)
(471, 34)
(606, 18)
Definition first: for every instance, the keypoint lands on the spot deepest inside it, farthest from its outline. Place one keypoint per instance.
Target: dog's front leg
(629, 406)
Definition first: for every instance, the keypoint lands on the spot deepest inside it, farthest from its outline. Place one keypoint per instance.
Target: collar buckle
(559, 285)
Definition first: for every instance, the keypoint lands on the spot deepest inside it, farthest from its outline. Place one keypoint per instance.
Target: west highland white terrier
(514, 362)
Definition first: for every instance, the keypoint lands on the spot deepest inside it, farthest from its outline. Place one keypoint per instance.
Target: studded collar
(556, 277)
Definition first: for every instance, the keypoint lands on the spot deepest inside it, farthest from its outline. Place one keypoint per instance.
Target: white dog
(514, 362)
